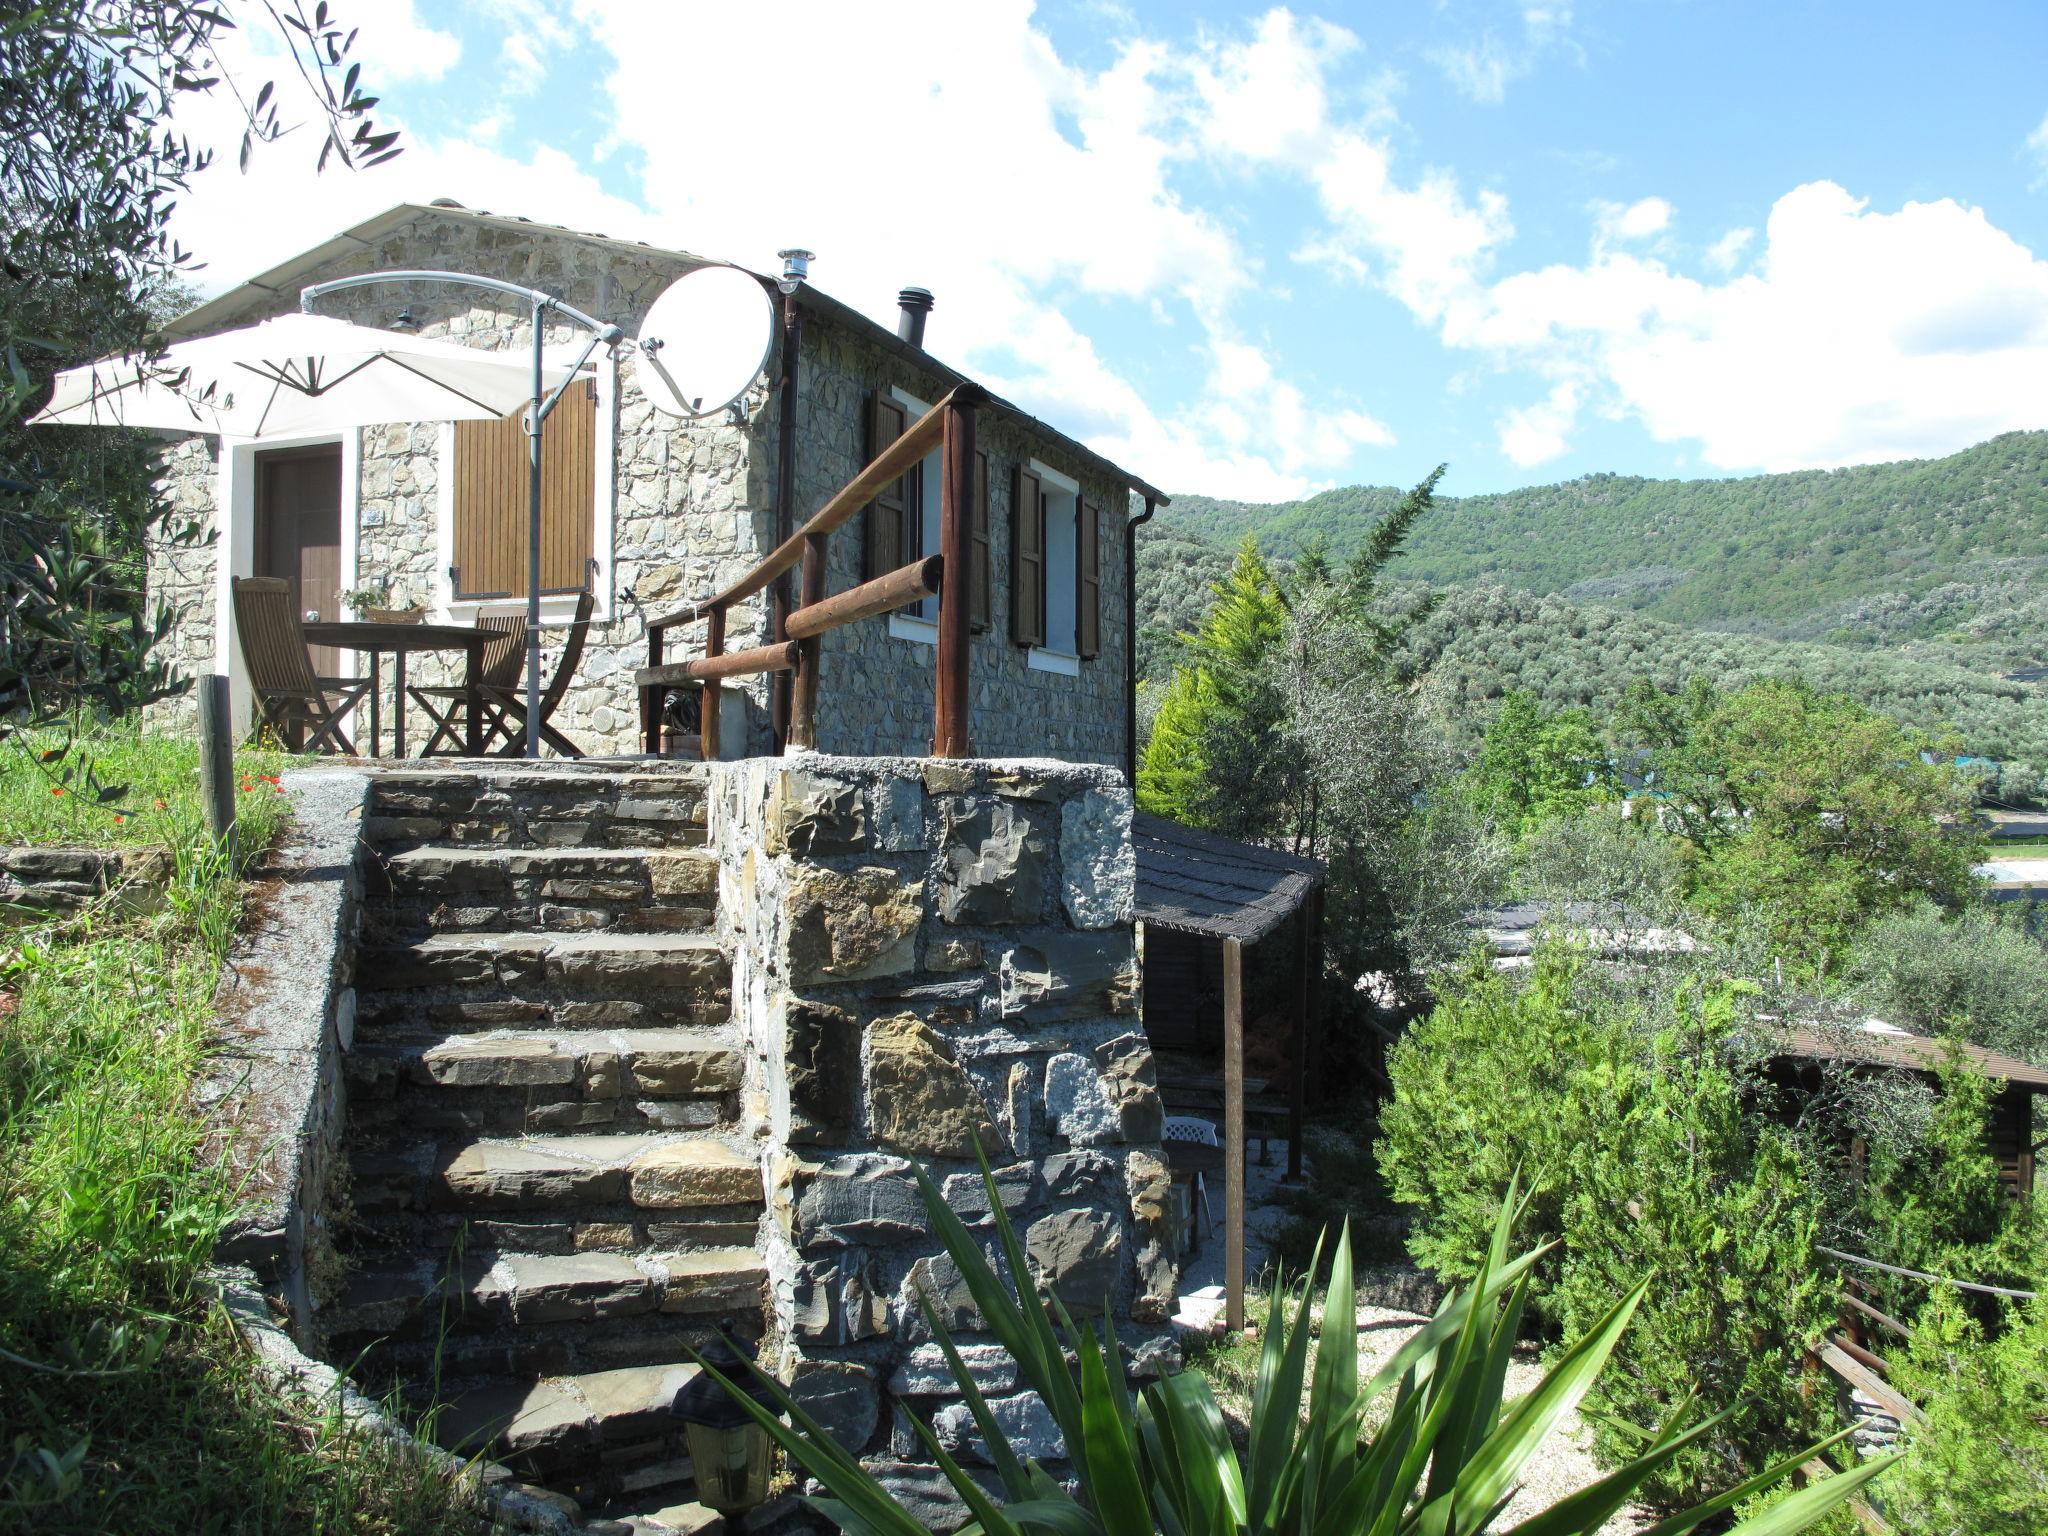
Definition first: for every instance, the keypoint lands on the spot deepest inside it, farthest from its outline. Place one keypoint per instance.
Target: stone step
(593, 1435)
(542, 1312)
(538, 808)
(513, 1083)
(584, 1177)
(679, 978)
(491, 888)
(390, 1220)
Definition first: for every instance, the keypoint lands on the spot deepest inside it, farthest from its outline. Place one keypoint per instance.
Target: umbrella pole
(533, 545)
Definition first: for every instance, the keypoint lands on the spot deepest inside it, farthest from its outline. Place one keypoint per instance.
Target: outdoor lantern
(731, 1456)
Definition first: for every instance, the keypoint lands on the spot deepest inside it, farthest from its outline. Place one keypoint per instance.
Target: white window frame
(914, 624)
(1048, 657)
(556, 608)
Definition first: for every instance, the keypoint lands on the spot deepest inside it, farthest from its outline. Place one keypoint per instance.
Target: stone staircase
(550, 1193)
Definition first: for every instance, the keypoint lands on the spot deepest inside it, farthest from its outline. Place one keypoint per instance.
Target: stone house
(654, 511)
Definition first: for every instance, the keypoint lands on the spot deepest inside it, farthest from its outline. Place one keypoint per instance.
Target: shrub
(1974, 972)
(1659, 1171)
(1444, 1458)
(1979, 1464)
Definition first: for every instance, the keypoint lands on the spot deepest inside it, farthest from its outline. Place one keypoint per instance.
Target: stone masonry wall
(875, 689)
(692, 507)
(179, 573)
(689, 508)
(930, 957)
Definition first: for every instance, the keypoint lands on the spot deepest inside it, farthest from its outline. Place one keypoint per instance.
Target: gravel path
(1562, 1466)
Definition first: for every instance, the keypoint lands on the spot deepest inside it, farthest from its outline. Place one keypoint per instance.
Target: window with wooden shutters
(978, 610)
(491, 500)
(1087, 580)
(1027, 560)
(887, 521)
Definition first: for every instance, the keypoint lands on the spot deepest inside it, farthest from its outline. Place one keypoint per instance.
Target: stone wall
(688, 507)
(691, 508)
(930, 958)
(875, 688)
(178, 573)
(43, 880)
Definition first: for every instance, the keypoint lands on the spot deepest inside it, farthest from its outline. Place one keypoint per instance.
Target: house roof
(1887, 1045)
(1197, 882)
(284, 280)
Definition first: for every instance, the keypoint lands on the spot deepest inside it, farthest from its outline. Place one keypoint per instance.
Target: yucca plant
(1443, 1461)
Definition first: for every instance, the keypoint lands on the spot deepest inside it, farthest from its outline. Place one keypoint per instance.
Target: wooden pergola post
(708, 699)
(1233, 1134)
(950, 734)
(1297, 1092)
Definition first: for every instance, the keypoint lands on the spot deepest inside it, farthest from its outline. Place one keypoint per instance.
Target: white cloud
(1726, 253)
(1634, 221)
(1534, 434)
(1857, 336)
(1484, 66)
(2037, 145)
(407, 49)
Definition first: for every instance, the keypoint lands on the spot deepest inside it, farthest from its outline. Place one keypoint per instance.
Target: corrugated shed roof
(1197, 882)
(1887, 1045)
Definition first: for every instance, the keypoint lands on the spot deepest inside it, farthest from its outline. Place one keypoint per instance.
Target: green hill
(1952, 549)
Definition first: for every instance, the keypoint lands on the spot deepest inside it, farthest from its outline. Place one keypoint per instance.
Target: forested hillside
(1950, 551)
(1910, 587)
(1482, 640)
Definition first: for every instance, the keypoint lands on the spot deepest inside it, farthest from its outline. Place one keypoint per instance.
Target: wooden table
(401, 640)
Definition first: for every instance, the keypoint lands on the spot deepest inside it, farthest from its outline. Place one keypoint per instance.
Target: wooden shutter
(492, 499)
(979, 596)
(887, 515)
(1087, 579)
(1027, 560)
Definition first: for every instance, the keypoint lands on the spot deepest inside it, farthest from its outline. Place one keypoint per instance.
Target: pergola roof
(1197, 882)
(1882, 1044)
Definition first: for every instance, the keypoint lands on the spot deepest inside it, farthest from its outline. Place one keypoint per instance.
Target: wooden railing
(1851, 1354)
(948, 425)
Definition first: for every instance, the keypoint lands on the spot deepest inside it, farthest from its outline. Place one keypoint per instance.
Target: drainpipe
(785, 504)
(1131, 641)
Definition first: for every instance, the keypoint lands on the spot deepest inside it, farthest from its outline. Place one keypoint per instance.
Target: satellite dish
(704, 341)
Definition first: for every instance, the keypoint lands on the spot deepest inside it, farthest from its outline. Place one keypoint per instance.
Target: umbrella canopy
(298, 374)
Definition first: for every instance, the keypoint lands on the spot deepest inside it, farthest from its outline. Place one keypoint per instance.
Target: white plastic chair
(1195, 1131)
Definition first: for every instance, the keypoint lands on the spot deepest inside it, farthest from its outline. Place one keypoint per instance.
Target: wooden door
(298, 533)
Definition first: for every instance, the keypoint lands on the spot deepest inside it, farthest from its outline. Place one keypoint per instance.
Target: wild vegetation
(1426, 1444)
(126, 1402)
(1801, 823)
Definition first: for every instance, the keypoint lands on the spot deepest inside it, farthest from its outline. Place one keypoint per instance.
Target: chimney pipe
(913, 304)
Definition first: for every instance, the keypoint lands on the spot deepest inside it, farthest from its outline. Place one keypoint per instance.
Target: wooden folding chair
(291, 697)
(447, 706)
(511, 700)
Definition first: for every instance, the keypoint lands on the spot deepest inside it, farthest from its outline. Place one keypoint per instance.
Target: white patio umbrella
(300, 374)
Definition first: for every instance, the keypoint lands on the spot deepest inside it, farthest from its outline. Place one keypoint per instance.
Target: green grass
(52, 784)
(126, 1402)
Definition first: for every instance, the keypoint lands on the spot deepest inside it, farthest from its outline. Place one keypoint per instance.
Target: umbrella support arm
(541, 302)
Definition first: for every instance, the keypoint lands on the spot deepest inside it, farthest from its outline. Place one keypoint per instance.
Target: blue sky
(1253, 251)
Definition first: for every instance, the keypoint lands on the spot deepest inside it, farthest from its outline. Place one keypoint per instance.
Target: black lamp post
(731, 1456)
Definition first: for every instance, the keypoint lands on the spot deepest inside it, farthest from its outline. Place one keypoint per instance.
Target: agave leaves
(1444, 1461)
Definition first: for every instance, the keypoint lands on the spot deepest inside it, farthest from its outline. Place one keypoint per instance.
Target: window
(490, 500)
(903, 521)
(1055, 569)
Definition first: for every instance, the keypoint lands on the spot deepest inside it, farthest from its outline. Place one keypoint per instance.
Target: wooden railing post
(803, 692)
(652, 698)
(950, 733)
(708, 698)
